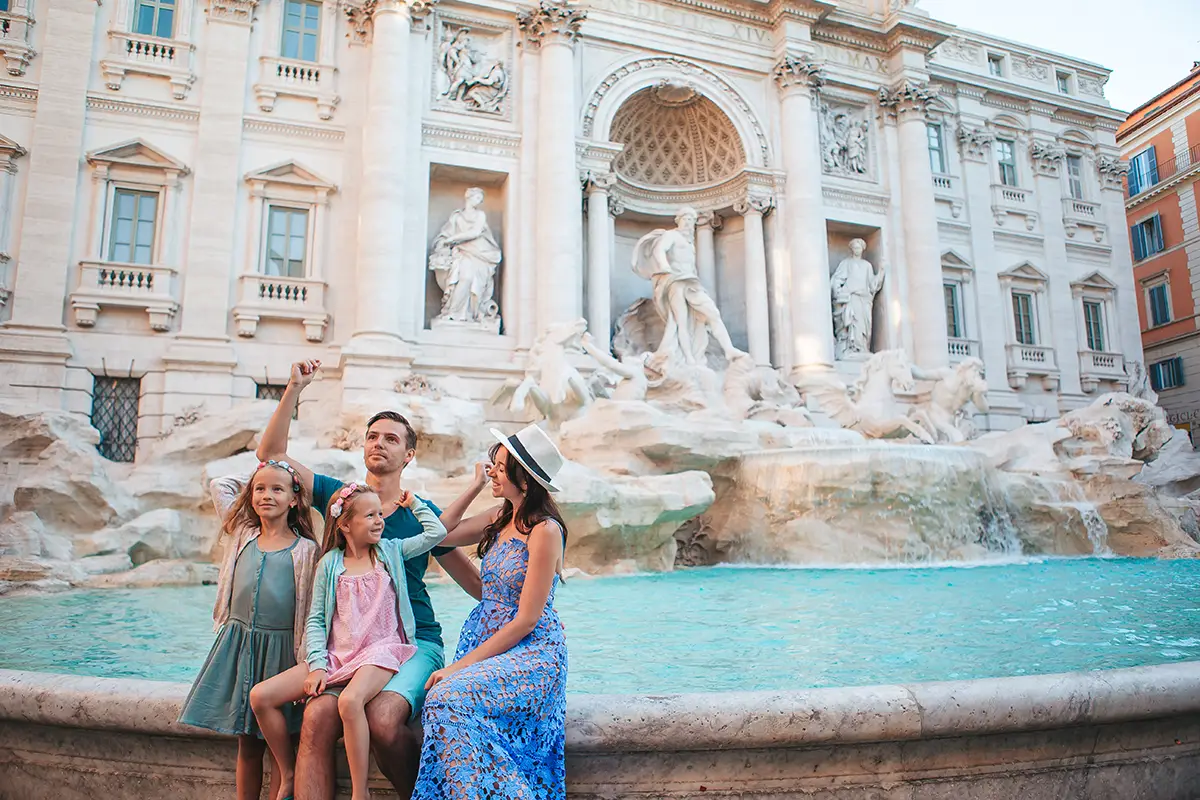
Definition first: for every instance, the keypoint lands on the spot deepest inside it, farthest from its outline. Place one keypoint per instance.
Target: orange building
(1161, 142)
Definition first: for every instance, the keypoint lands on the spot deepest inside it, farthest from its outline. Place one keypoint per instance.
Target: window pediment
(137, 154)
(1094, 282)
(291, 173)
(1025, 272)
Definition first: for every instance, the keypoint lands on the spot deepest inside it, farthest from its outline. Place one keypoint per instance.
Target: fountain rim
(707, 721)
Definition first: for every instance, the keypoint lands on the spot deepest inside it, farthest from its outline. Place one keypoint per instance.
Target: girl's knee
(258, 699)
(350, 702)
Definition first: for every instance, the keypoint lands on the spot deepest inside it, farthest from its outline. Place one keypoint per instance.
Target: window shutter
(1158, 234)
(1152, 177)
(1179, 381)
(1156, 377)
(1135, 237)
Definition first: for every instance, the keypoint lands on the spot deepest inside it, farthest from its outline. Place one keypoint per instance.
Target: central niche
(675, 136)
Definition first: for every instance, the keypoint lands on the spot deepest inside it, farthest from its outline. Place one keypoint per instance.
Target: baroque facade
(1161, 142)
(198, 192)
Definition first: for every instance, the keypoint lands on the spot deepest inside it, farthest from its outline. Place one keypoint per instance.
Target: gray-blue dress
(258, 642)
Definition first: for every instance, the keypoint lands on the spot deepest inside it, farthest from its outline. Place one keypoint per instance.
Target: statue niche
(464, 259)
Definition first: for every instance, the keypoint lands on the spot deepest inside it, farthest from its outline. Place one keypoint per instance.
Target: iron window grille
(274, 391)
(115, 415)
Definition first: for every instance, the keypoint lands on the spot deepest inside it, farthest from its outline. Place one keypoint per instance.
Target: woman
(494, 718)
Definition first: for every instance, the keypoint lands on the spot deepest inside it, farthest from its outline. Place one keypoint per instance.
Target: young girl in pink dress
(360, 628)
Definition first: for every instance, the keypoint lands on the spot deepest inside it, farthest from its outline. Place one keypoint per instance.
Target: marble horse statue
(871, 406)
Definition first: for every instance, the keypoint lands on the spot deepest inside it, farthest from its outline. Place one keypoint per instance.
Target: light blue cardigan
(392, 552)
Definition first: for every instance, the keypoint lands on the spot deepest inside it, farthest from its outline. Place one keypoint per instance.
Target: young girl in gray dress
(264, 590)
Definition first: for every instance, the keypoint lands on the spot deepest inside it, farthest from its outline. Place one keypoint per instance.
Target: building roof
(1161, 103)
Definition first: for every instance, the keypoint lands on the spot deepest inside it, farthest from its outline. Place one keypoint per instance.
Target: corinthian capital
(360, 16)
(754, 203)
(798, 72)
(240, 12)
(906, 98)
(550, 20)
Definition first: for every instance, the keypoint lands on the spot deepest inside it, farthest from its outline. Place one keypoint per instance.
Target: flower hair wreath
(286, 467)
(335, 510)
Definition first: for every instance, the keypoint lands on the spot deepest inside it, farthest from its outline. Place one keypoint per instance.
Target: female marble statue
(464, 260)
(854, 285)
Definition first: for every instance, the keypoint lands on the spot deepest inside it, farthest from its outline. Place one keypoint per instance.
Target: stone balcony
(114, 284)
(1096, 368)
(275, 297)
(1082, 214)
(1032, 360)
(132, 53)
(962, 348)
(15, 26)
(948, 189)
(1013, 201)
(291, 78)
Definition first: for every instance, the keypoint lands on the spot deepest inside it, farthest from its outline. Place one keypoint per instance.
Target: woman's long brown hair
(334, 535)
(539, 506)
(242, 512)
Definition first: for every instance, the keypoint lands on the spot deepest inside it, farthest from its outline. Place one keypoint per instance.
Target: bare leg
(396, 747)
(707, 308)
(276, 773)
(679, 322)
(266, 699)
(361, 689)
(250, 767)
(316, 765)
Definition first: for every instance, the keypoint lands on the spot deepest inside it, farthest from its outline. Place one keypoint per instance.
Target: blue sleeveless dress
(495, 729)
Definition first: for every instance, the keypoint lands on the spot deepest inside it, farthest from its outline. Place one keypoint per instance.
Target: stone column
(758, 311)
(379, 283)
(807, 261)
(706, 250)
(923, 269)
(599, 266)
(552, 28)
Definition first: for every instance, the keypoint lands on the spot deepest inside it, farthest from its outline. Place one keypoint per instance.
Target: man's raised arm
(273, 444)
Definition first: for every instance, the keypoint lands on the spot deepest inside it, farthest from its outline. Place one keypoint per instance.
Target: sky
(1148, 44)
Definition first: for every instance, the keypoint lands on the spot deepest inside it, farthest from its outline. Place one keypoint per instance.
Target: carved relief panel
(472, 69)
(846, 141)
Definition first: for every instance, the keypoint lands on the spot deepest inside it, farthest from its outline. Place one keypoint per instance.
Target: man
(389, 447)
(667, 258)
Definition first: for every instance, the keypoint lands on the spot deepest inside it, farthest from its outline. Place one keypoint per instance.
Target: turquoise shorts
(410, 681)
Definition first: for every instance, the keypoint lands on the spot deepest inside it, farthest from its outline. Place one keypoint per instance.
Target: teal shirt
(400, 524)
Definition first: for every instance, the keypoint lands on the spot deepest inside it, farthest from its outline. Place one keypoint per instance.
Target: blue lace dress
(495, 729)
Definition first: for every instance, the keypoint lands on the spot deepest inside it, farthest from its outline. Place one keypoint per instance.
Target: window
(1075, 176)
(1023, 317)
(937, 151)
(1007, 158)
(1064, 82)
(1146, 237)
(3, 5)
(1093, 322)
(1143, 171)
(1158, 301)
(996, 65)
(115, 415)
(274, 391)
(287, 242)
(131, 236)
(1166, 374)
(154, 18)
(953, 311)
(301, 27)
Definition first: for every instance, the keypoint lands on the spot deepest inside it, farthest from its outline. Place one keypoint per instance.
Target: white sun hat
(534, 450)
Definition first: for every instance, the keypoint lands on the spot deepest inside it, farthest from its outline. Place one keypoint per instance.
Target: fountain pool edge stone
(1128, 733)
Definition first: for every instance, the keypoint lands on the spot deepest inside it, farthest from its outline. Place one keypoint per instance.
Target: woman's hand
(314, 684)
(440, 675)
(481, 474)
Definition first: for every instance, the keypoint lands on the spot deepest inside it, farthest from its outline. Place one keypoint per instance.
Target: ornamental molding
(470, 140)
(1030, 68)
(848, 37)
(854, 201)
(687, 69)
(798, 72)
(1091, 85)
(237, 12)
(1111, 171)
(907, 97)
(292, 130)
(360, 15)
(23, 95)
(759, 202)
(480, 53)
(957, 48)
(975, 142)
(109, 105)
(550, 20)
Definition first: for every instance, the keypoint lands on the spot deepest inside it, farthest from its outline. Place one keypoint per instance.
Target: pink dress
(365, 628)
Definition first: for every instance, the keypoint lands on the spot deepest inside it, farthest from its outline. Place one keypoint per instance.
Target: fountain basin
(1130, 733)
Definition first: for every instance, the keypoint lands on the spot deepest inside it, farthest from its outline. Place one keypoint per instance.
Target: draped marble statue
(854, 285)
(464, 260)
(667, 258)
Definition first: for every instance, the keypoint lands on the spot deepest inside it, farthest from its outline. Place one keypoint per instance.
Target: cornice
(170, 113)
(292, 130)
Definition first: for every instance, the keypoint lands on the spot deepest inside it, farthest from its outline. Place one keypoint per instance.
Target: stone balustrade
(1124, 733)
(960, 348)
(133, 53)
(15, 28)
(150, 288)
(1013, 200)
(1096, 367)
(1025, 360)
(276, 297)
(1083, 213)
(292, 77)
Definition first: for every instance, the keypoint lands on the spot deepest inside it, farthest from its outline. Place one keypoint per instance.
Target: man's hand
(314, 684)
(303, 373)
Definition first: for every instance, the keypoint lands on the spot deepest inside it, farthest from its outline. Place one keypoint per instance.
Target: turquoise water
(724, 628)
